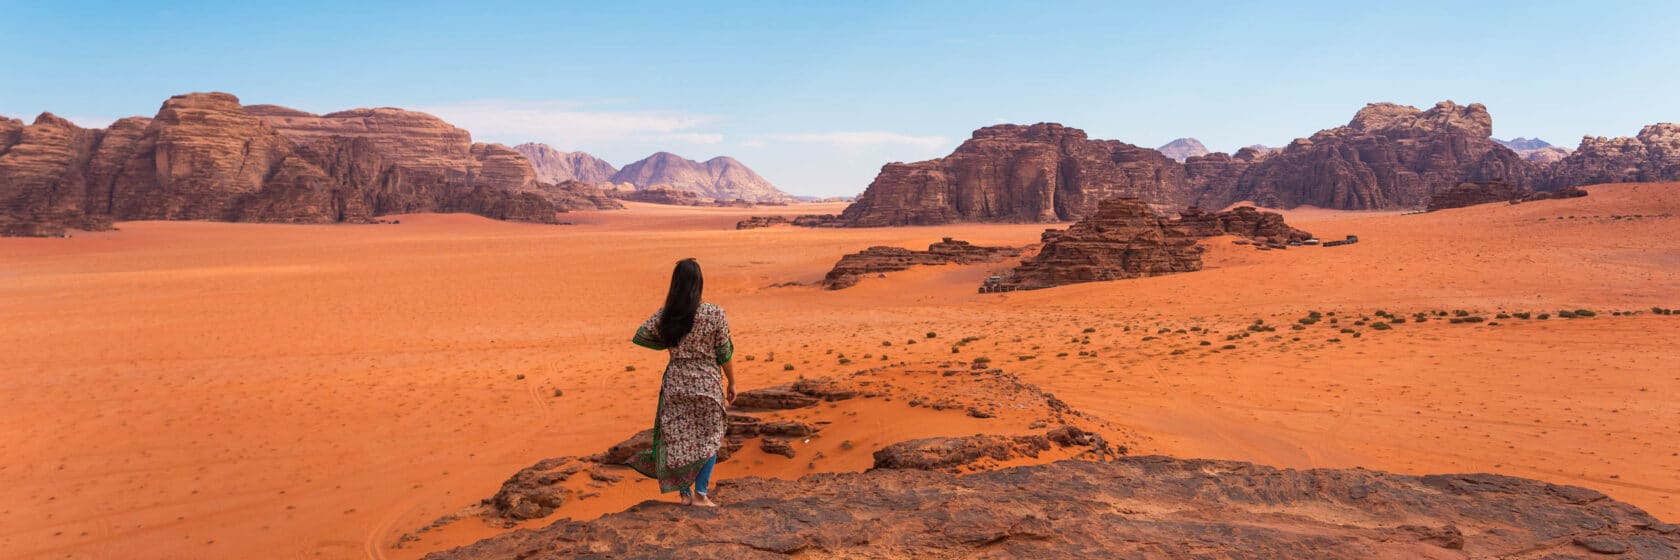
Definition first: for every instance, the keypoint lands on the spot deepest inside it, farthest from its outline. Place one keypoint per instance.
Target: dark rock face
(1471, 194)
(206, 157)
(1388, 156)
(1139, 507)
(1022, 174)
(875, 260)
(756, 222)
(1124, 239)
(1652, 155)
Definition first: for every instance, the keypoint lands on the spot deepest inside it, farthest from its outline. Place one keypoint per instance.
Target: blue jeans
(705, 478)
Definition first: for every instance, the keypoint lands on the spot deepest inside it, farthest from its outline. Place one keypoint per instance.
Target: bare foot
(702, 501)
(687, 499)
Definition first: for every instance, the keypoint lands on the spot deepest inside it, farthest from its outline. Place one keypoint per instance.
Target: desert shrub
(1334, 340)
(1524, 315)
(1228, 347)
(1455, 320)
(1148, 338)
(1474, 319)
(1359, 323)
(1347, 330)
(1544, 316)
(886, 343)
(1298, 327)
(787, 367)
(1381, 326)
(1566, 314)
(522, 376)
(558, 392)
(1089, 330)
(1396, 319)
(1061, 354)
(1177, 352)
(982, 360)
(1460, 313)
(844, 361)
(1025, 357)
(1584, 313)
(931, 334)
(1206, 343)
(1502, 316)
(1163, 331)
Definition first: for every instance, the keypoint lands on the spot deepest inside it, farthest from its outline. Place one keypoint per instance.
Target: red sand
(209, 390)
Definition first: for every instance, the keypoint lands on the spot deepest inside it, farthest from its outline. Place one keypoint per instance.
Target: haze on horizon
(816, 97)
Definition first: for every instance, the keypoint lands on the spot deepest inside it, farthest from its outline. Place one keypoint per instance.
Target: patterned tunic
(690, 424)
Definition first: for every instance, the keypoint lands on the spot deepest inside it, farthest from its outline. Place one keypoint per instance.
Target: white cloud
(570, 124)
(864, 139)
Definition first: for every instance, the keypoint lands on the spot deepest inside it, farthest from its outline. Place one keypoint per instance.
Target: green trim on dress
(648, 339)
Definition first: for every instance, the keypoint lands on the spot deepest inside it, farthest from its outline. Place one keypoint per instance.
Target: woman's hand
(729, 393)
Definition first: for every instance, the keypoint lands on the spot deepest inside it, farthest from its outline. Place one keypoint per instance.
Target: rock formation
(660, 194)
(1138, 507)
(1652, 155)
(1182, 149)
(1473, 193)
(1243, 221)
(756, 222)
(1388, 156)
(206, 157)
(555, 166)
(1123, 239)
(1023, 174)
(719, 178)
(578, 195)
(879, 259)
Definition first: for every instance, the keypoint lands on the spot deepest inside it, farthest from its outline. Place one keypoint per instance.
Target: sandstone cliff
(555, 166)
(1123, 239)
(1652, 155)
(207, 157)
(1388, 156)
(719, 178)
(1013, 173)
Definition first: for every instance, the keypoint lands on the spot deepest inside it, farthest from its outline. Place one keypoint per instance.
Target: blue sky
(816, 96)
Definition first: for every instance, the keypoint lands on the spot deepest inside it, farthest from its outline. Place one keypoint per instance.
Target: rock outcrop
(1021, 174)
(1123, 239)
(719, 178)
(1473, 193)
(1388, 156)
(1652, 155)
(578, 195)
(880, 259)
(1243, 221)
(555, 166)
(206, 157)
(756, 222)
(1182, 149)
(1143, 507)
(660, 195)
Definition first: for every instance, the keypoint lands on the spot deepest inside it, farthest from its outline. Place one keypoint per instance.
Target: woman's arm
(729, 374)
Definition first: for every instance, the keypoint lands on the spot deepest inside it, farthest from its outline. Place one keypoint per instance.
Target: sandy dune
(210, 390)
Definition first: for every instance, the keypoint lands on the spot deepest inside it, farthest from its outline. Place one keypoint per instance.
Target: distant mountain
(1183, 149)
(720, 178)
(1521, 145)
(555, 166)
(1261, 149)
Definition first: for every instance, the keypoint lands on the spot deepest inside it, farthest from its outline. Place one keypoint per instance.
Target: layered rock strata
(1123, 239)
(1022, 174)
(205, 156)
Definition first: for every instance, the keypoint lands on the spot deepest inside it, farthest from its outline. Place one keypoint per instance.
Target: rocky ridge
(719, 178)
(880, 259)
(1020, 174)
(555, 166)
(205, 156)
(1123, 239)
(1474, 193)
(1652, 155)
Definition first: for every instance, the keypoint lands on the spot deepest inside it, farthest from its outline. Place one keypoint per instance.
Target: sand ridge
(204, 390)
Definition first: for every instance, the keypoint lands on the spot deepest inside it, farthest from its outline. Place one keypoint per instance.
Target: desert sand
(212, 390)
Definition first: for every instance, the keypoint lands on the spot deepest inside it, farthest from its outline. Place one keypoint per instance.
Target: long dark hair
(681, 303)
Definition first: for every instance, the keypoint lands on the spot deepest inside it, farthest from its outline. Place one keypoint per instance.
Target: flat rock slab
(1137, 507)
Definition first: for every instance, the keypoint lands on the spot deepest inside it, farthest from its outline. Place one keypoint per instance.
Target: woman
(690, 424)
